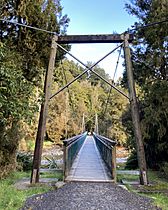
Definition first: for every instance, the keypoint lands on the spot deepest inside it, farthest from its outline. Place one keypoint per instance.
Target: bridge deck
(88, 165)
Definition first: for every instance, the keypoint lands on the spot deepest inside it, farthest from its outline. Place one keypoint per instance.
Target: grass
(127, 177)
(160, 200)
(57, 175)
(157, 189)
(120, 166)
(13, 199)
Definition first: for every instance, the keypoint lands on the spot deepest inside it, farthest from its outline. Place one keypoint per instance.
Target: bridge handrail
(108, 142)
(71, 149)
(106, 148)
(71, 140)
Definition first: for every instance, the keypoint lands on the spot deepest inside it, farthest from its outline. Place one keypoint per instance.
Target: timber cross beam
(101, 38)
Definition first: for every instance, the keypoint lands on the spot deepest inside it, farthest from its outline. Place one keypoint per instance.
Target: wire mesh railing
(71, 149)
(107, 151)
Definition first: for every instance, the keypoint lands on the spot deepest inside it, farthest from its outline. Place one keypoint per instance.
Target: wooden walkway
(88, 165)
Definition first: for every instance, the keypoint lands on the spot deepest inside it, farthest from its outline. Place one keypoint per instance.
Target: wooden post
(43, 114)
(114, 176)
(66, 115)
(65, 150)
(135, 114)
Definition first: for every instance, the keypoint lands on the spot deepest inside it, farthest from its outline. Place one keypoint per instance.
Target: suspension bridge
(100, 151)
(89, 158)
(86, 157)
(99, 146)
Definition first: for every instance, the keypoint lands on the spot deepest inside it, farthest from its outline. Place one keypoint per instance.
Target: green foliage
(13, 199)
(157, 189)
(50, 174)
(52, 162)
(15, 89)
(112, 117)
(33, 45)
(160, 200)
(30, 145)
(127, 177)
(23, 63)
(87, 96)
(16, 104)
(95, 80)
(132, 161)
(25, 160)
(155, 123)
(150, 72)
(164, 168)
(24, 55)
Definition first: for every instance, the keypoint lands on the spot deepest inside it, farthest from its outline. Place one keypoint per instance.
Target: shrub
(25, 160)
(132, 161)
(165, 169)
(52, 163)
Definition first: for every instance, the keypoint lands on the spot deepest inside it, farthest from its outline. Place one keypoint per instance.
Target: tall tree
(150, 61)
(24, 57)
(32, 44)
(87, 96)
(17, 103)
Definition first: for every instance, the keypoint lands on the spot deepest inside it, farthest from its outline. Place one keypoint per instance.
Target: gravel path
(88, 196)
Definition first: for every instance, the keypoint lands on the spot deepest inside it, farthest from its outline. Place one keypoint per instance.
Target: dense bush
(150, 67)
(165, 169)
(24, 160)
(132, 161)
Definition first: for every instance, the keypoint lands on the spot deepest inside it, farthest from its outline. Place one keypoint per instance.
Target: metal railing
(71, 149)
(107, 151)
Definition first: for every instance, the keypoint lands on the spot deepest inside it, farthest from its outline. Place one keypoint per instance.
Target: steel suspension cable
(109, 93)
(149, 25)
(52, 32)
(117, 63)
(27, 26)
(87, 69)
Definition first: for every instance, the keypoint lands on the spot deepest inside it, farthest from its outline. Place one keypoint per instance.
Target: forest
(24, 55)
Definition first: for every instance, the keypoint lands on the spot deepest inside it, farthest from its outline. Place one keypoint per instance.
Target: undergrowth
(157, 188)
(13, 199)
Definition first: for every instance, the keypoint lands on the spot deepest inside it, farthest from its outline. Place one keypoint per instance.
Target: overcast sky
(97, 17)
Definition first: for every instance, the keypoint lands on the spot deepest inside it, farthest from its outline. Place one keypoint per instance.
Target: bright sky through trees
(97, 17)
